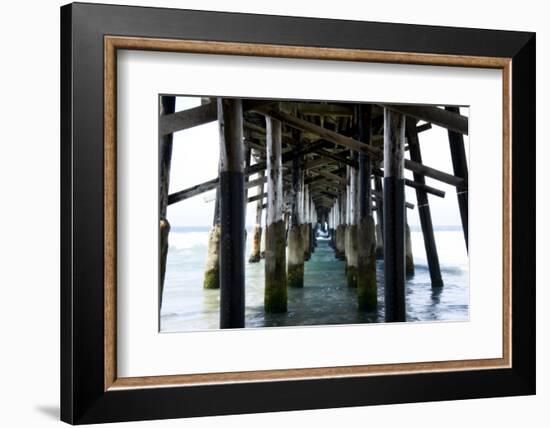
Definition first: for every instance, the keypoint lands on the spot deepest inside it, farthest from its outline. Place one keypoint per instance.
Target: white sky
(195, 160)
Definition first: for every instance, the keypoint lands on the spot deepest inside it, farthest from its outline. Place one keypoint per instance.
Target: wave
(187, 240)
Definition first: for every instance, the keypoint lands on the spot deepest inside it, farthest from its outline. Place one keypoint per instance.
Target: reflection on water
(325, 299)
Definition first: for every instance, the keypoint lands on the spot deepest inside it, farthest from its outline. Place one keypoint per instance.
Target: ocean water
(325, 299)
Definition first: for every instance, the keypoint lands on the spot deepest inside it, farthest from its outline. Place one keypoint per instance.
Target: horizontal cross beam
(358, 146)
(435, 115)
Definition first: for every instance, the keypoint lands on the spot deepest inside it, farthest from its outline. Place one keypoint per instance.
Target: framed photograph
(267, 213)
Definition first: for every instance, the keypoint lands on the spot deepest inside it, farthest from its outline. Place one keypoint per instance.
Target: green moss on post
(351, 255)
(366, 265)
(304, 230)
(295, 276)
(256, 242)
(379, 242)
(164, 231)
(340, 241)
(212, 265)
(335, 241)
(295, 263)
(275, 294)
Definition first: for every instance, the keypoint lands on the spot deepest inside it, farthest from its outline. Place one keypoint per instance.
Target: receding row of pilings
(292, 229)
(348, 199)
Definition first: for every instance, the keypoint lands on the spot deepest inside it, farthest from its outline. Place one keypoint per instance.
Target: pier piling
(379, 219)
(212, 263)
(232, 214)
(275, 298)
(351, 249)
(366, 240)
(424, 207)
(257, 231)
(460, 168)
(394, 216)
(296, 235)
(167, 106)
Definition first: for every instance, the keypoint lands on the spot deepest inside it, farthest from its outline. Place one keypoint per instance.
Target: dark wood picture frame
(90, 389)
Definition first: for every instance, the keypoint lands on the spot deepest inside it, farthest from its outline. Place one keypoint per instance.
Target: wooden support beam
(379, 219)
(364, 116)
(255, 253)
(379, 196)
(193, 191)
(424, 127)
(260, 166)
(424, 187)
(394, 216)
(355, 145)
(232, 213)
(450, 120)
(295, 261)
(351, 241)
(275, 297)
(331, 176)
(200, 115)
(460, 167)
(424, 208)
(256, 198)
(211, 278)
(367, 289)
(319, 109)
(414, 184)
(336, 157)
(187, 119)
(253, 145)
(167, 106)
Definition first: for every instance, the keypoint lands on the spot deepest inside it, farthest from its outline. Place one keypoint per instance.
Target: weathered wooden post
(341, 229)
(232, 214)
(211, 279)
(366, 239)
(347, 219)
(424, 207)
(257, 232)
(379, 219)
(262, 243)
(275, 297)
(167, 106)
(331, 226)
(351, 249)
(409, 259)
(312, 225)
(394, 216)
(306, 244)
(460, 168)
(336, 225)
(295, 262)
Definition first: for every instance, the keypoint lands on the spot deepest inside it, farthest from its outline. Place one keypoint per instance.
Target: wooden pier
(315, 167)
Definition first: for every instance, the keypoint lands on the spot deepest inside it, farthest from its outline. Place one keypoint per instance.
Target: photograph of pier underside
(326, 177)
